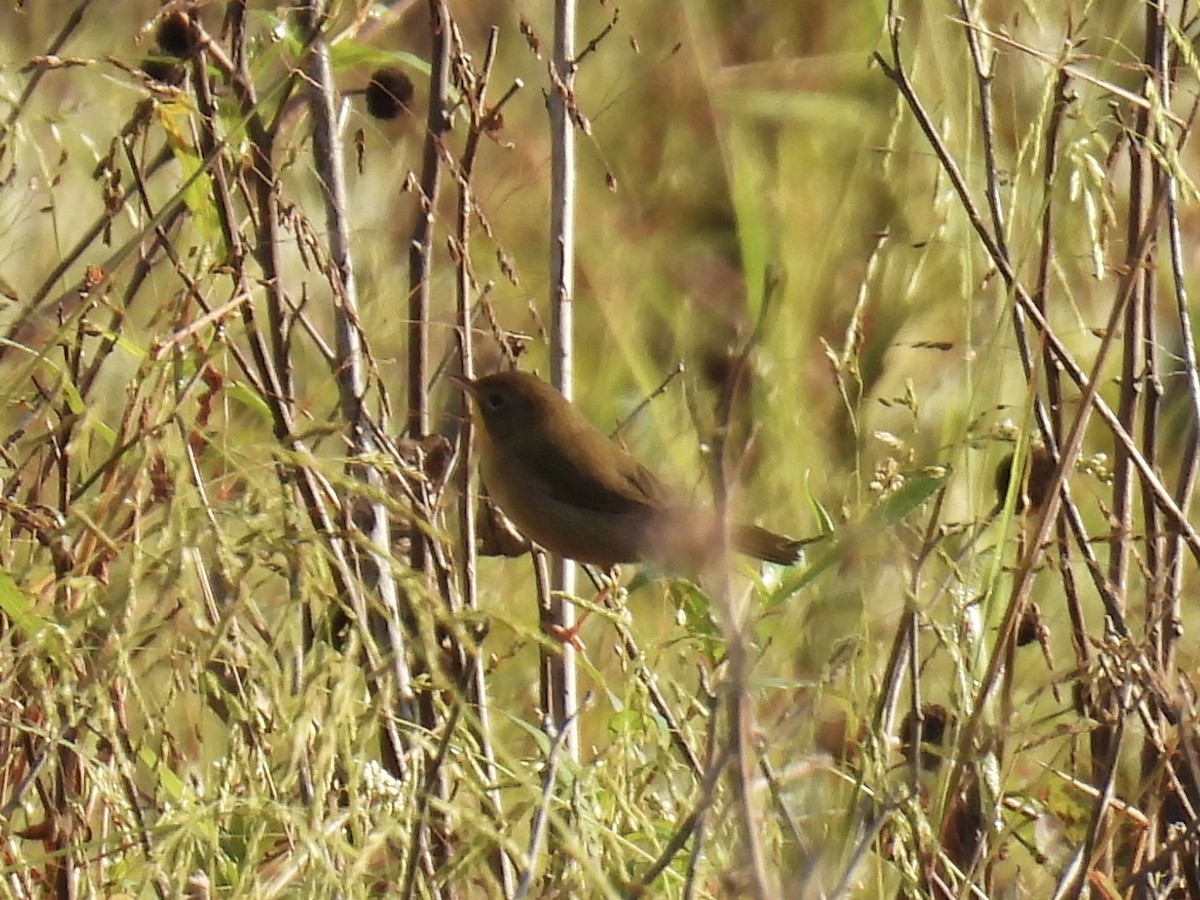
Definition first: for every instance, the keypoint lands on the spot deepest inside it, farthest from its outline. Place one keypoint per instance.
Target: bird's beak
(465, 384)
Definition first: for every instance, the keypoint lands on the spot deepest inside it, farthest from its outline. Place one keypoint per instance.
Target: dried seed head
(389, 93)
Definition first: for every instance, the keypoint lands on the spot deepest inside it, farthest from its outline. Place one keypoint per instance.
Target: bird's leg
(606, 582)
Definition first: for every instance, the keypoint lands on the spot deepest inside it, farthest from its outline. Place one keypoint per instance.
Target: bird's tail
(768, 546)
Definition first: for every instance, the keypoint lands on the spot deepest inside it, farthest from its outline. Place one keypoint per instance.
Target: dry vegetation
(857, 256)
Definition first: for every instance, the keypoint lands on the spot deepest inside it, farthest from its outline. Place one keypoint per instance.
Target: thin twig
(74, 20)
(561, 669)
(477, 671)
(541, 819)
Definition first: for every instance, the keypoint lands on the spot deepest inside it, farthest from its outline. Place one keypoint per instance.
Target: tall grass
(915, 278)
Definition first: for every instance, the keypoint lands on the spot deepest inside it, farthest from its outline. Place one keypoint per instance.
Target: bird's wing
(594, 478)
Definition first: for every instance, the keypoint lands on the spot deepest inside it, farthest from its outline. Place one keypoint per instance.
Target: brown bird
(578, 494)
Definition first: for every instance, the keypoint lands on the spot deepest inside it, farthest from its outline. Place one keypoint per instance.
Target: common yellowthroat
(580, 495)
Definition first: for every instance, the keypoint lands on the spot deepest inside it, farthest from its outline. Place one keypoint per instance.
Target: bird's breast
(544, 516)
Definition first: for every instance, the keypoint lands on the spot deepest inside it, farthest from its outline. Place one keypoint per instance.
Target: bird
(578, 494)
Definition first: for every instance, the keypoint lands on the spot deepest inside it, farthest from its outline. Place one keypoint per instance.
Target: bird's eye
(494, 400)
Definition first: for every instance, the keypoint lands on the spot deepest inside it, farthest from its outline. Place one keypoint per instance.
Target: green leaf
(175, 116)
(18, 606)
(627, 722)
(350, 54)
(173, 785)
(539, 736)
(105, 431)
(917, 488)
(824, 519)
(249, 399)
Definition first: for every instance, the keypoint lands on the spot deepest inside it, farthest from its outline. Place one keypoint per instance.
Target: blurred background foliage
(750, 175)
